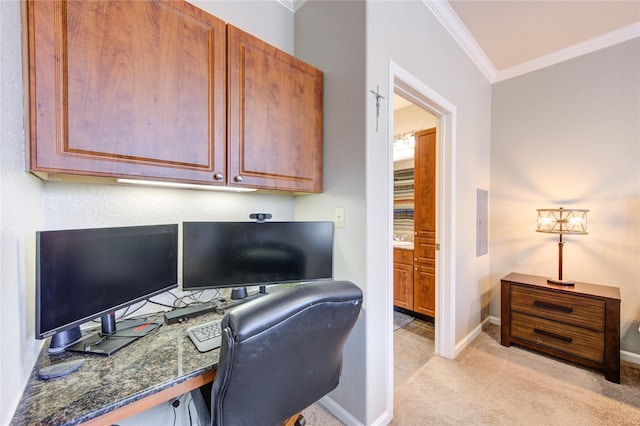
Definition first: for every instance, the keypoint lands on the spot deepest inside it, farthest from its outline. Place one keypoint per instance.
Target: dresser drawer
(565, 308)
(582, 342)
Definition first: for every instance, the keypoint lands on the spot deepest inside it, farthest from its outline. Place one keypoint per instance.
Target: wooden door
(275, 117)
(127, 89)
(424, 290)
(403, 279)
(425, 184)
(425, 223)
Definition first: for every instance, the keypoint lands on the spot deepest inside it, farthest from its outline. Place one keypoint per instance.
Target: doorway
(403, 84)
(413, 219)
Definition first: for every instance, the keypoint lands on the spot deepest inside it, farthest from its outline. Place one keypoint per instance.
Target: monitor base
(62, 339)
(102, 344)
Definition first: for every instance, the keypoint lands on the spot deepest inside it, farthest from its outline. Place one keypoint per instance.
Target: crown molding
(452, 23)
(606, 40)
(287, 3)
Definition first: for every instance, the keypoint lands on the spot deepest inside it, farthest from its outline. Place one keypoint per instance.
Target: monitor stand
(61, 340)
(240, 295)
(104, 343)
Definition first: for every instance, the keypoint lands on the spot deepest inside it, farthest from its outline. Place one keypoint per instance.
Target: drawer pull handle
(553, 306)
(553, 335)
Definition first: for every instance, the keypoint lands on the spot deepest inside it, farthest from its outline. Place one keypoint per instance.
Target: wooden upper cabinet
(274, 117)
(127, 89)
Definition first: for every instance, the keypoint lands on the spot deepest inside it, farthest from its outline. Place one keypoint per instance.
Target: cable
(189, 410)
(160, 304)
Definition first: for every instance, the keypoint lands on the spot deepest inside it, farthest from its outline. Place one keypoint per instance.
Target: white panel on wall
(482, 222)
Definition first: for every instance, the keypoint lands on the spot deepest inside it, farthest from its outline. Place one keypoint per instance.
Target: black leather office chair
(280, 354)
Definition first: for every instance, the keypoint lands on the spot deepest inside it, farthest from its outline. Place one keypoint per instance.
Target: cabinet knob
(238, 178)
(218, 176)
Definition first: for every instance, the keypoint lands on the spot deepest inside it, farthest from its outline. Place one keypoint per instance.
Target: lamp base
(561, 282)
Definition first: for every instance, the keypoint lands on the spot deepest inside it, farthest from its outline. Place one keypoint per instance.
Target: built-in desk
(105, 390)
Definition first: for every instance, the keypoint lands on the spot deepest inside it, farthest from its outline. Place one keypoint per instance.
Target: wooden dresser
(580, 323)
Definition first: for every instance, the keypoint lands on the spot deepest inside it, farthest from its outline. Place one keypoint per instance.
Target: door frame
(411, 88)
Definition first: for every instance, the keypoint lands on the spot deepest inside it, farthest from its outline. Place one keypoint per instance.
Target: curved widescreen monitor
(238, 254)
(83, 274)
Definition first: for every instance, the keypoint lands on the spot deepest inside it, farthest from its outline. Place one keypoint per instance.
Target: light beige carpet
(488, 384)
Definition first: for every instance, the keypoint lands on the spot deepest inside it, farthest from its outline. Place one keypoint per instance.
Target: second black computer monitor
(239, 254)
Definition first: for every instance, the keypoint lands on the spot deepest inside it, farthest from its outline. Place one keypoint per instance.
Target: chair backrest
(282, 352)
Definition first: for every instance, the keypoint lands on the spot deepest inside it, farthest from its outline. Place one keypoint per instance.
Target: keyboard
(206, 336)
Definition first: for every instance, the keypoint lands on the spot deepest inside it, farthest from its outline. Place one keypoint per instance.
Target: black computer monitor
(84, 274)
(239, 254)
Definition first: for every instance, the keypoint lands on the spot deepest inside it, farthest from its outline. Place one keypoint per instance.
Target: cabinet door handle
(552, 306)
(238, 178)
(553, 335)
(218, 176)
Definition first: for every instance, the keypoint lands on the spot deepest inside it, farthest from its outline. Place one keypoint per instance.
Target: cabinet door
(424, 290)
(275, 117)
(425, 184)
(126, 89)
(425, 223)
(403, 286)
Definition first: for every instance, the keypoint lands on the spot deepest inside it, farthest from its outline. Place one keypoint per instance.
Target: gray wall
(331, 36)
(357, 169)
(569, 136)
(407, 33)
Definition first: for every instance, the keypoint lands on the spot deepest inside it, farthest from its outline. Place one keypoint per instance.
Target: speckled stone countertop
(151, 364)
(403, 246)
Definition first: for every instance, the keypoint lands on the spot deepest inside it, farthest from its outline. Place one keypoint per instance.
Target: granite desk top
(149, 365)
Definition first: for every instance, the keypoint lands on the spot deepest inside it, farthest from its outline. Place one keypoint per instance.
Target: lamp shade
(562, 221)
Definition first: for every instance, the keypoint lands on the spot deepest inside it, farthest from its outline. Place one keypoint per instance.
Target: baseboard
(492, 320)
(630, 357)
(340, 413)
(468, 339)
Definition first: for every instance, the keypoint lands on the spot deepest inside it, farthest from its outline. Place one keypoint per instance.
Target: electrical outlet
(338, 217)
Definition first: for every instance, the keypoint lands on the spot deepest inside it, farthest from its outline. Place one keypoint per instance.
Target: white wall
(268, 20)
(29, 205)
(569, 136)
(20, 216)
(412, 118)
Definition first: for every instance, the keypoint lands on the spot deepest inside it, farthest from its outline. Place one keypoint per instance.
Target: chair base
(296, 420)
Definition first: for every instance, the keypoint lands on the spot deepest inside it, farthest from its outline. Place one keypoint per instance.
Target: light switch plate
(338, 217)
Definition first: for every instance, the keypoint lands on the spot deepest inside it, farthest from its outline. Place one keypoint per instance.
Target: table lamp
(562, 221)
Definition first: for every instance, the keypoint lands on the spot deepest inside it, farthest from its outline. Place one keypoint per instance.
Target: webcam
(260, 217)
